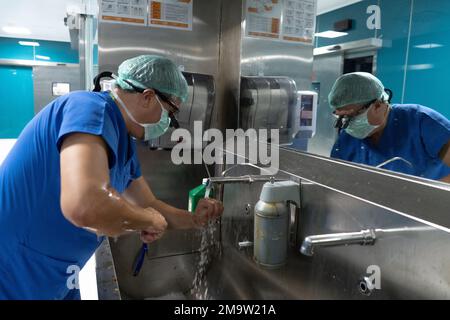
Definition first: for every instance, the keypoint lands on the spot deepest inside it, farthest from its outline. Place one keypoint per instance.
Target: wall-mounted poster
(263, 18)
(172, 14)
(124, 11)
(299, 20)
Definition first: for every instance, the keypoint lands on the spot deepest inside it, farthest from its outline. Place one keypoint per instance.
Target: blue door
(16, 100)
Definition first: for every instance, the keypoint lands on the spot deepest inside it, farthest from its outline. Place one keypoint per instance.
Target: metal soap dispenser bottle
(272, 220)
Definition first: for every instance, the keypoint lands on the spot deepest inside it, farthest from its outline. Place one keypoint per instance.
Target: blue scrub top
(37, 244)
(413, 132)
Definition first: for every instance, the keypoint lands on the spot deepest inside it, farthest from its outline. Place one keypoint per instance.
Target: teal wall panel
(427, 70)
(428, 73)
(17, 102)
(57, 51)
(357, 13)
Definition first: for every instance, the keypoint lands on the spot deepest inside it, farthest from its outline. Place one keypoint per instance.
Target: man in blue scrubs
(373, 132)
(73, 177)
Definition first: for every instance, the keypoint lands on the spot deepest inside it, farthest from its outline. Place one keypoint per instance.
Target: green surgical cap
(153, 72)
(356, 88)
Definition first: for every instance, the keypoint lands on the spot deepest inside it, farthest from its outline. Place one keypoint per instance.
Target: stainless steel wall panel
(195, 51)
(262, 57)
(45, 76)
(327, 69)
(414, 258)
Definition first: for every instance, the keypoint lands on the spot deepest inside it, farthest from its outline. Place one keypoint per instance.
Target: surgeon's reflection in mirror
(373, 131)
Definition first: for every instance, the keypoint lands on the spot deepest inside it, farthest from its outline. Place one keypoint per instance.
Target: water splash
(199, 289)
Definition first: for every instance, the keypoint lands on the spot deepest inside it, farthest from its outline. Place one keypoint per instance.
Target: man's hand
(156, 231)
(150, 235)
(140, 194)
(207, 209)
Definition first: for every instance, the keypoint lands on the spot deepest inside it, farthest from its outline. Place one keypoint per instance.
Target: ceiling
(330, 5)
(48, 24)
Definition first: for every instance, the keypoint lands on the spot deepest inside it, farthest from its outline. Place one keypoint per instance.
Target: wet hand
(207, 210)
(149, 235)
(155, 231)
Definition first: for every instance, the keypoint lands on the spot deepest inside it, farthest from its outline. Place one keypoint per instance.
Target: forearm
(140, 194)
(88, 200)
(176, 218)
(106, 212)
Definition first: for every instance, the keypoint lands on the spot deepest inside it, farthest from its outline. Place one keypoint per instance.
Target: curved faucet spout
(364, 237)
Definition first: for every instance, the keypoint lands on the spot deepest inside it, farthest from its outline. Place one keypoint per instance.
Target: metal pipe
(395, 159)
(244, 164)
(245, 244)
(364, 237)
(241, 179)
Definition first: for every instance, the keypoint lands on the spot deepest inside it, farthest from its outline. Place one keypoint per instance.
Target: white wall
(5, 146)
(48, 24)
(87, 277)
(88, 281)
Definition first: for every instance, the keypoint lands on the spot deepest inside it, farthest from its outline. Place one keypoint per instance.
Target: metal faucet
(245, 164)
(223, 179)
(364, 237)
(381, 165)
(241, 179)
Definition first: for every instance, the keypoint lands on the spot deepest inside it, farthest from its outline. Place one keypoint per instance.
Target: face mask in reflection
(359, 126)
(151, 130)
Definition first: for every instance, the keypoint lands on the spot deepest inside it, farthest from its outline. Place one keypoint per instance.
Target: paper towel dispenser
(268, 103)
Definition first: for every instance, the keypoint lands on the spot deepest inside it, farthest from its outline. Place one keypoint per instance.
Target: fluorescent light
(42, 57)
(331, 34)
(29, 43)
(419, 67)
(16, 30)
(429, 46)
(328, 5)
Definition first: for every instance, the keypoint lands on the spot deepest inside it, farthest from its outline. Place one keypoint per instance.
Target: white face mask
(359, 127)
(151, 130)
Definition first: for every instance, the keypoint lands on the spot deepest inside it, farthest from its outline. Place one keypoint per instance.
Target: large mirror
(405, 45)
